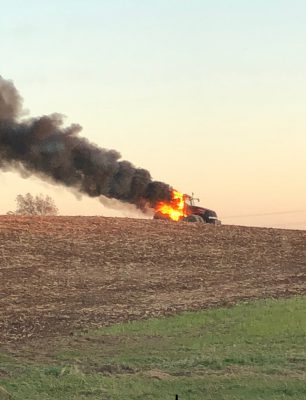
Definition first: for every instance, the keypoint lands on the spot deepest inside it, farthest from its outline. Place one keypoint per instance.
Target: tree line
(34, 205)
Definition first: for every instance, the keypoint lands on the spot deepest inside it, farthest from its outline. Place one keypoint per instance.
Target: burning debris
(44, 147)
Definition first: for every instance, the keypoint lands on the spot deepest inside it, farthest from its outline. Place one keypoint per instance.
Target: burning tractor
(182, 207)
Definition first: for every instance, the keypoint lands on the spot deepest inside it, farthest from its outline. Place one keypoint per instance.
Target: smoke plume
(44, 147)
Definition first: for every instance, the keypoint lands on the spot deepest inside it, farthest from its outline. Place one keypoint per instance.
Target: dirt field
(62, 273)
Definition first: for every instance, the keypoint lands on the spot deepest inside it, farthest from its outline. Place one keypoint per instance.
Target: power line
(303, 223)
(266, 214)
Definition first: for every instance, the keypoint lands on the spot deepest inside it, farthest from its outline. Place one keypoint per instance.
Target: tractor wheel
(193, 218)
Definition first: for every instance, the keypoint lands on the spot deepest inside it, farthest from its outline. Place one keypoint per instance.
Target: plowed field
(62, 273)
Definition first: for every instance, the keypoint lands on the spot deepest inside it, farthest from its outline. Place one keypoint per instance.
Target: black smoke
(44, 147)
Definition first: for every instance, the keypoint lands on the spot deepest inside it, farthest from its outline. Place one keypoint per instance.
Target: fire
(175, 209)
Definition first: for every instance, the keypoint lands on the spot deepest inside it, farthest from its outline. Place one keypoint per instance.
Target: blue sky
(207, 95)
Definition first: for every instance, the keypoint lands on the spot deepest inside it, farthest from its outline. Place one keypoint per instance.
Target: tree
(35, 205)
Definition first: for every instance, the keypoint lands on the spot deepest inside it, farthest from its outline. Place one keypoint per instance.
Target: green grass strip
(250, 351)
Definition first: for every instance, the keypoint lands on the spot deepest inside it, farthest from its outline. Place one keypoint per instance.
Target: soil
(59, 274)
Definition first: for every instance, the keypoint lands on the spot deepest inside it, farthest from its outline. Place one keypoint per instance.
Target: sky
(209, 96)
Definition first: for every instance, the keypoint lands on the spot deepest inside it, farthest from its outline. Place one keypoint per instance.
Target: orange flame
(175, 209)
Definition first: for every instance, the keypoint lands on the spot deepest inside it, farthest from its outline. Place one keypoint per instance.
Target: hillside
(62, 273)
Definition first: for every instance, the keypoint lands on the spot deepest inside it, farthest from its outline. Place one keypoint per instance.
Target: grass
(250, 351)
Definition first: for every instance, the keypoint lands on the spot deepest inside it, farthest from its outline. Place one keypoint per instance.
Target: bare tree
(35, 205)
